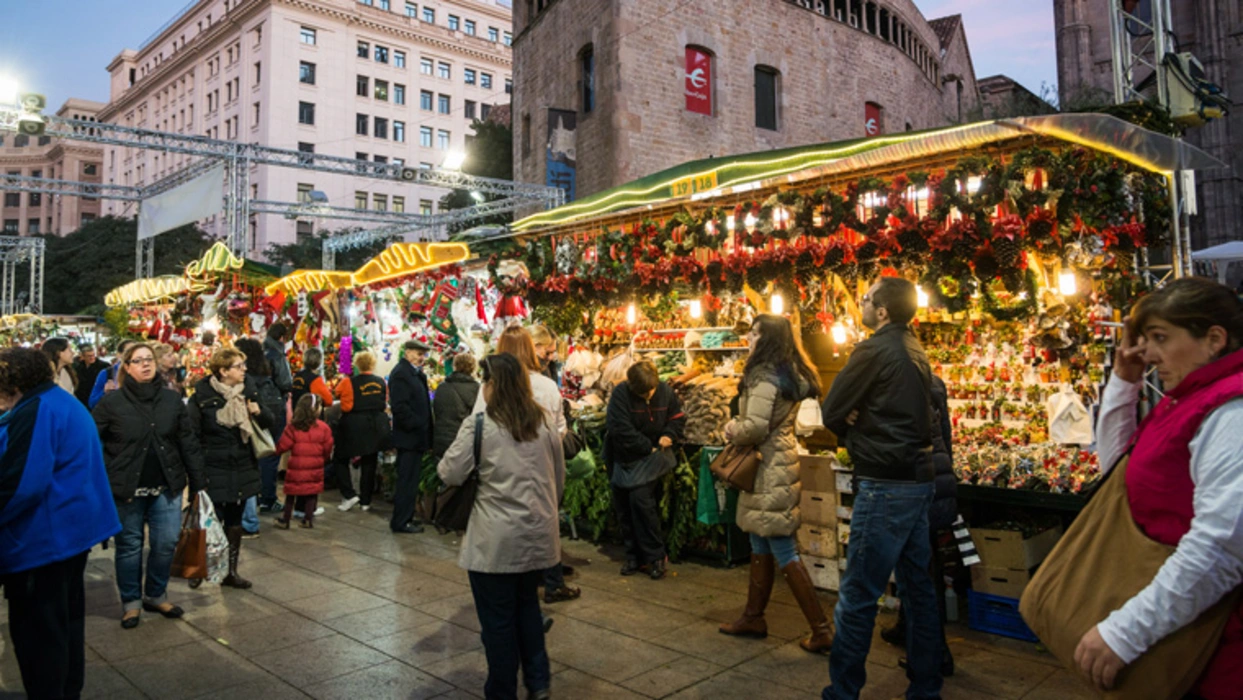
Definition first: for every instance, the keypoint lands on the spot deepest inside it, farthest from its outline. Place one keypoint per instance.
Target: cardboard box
(845, 481)
(816, 473)
(817, 540)
(843, 533)
(1008, 583)
(1006, 549)
(818, 508)
(825, 573)
(845, 513)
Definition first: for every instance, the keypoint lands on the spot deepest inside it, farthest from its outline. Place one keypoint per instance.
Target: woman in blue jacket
(55, 505)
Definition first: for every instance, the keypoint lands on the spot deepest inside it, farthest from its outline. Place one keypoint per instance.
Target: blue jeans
(161, 515)
(888, 532)
(784, 548)
(269, 466)
(250, 516)
(513, 632)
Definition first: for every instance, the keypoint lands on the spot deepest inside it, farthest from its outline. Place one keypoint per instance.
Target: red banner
(872, 124)
(698, 81)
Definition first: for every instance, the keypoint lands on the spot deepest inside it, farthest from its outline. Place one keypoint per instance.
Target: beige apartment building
(391, 81)
(31, 213)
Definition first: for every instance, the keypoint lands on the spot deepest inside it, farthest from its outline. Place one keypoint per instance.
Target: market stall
(1022, 235)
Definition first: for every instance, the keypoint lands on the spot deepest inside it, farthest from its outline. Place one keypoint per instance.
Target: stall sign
(694, 185)
(698, 87)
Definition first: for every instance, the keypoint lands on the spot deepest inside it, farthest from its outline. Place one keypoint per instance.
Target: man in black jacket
(880, 404)
(412, 432)
(643, 417)
(87, 366)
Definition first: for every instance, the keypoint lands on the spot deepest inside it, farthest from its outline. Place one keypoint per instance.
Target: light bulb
(749, 222)
(1066, 283)
(817, 219)
(710, 227)
(697, 310)
(922, 297)
(839, 334)
(777, 304)
(631, 315)
(729, 223)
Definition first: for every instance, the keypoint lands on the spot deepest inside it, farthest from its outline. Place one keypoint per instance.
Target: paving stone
(189, 670)
(391, 679)
(706, 642)
(293, 584)
(112, 642)
(382, 621)
(733, 685)
(671, 677)
(257, 637)
(460, 610)
(312, 662)
(418, 590)
(602, 653)
(103, 682)
(346, 601)
(575, 684)
(1062, 684)
(631, 618)
(269, 689)
(428, 643)
(338, 561)
(998, 675)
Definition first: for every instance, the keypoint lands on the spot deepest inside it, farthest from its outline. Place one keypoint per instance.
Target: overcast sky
(62, 48)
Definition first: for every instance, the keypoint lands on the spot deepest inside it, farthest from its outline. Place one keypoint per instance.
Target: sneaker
(250, 535)
(319, 510)
(272, 507)
(366, 508)
(348, 504)
(556, 595)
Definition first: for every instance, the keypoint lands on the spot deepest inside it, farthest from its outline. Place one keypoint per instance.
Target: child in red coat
(308, 440)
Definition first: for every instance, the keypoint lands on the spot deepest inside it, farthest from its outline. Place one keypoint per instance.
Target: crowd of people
(113, 451)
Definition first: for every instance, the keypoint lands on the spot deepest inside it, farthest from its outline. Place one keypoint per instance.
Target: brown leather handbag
(190, 555)
(738, 465)
(1102, 562)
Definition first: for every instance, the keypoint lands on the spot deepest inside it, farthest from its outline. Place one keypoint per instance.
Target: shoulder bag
(1103, 561)
(454, 504)
(261, 440)
(737, 465)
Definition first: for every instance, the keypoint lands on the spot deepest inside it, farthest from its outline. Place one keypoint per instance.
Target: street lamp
(454, 160)
(477, 196)
(9, 90)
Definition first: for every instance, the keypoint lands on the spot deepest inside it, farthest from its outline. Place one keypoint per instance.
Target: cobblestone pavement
(348, 610)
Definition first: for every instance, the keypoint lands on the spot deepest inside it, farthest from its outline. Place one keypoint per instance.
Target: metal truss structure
(240, 157)
(14, 251)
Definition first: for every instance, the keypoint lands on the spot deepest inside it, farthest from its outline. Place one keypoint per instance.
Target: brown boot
(752, 623)
(234, 535)
(821, 640)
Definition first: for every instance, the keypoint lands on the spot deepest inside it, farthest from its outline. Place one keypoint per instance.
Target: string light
(749, 222)
(631, 315)
(839, 334)
(922, 297)
(1066, 283)
(697, 310)
(777, 304)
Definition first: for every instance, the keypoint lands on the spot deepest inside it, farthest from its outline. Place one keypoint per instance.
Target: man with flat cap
(412, 432)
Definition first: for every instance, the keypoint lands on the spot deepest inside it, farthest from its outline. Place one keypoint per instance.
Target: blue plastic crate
(997, 615)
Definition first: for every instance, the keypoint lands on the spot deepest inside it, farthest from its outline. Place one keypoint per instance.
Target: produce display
(705, 400)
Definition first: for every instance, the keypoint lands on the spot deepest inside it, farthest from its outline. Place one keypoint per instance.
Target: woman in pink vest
(1184, 478)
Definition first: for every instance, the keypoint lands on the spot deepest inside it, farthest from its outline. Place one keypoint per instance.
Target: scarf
(142, 392)
(235, 413)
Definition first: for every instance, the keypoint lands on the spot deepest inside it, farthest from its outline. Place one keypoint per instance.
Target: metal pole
(243, 206)
(1120, 51)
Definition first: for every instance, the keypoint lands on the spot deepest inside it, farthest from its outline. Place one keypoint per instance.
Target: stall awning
(714, 177)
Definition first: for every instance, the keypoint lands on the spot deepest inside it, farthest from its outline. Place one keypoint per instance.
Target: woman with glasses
(150, 451)
(225, 410)
(514, 533)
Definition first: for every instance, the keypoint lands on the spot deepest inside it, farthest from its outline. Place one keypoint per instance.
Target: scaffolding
(15, 251)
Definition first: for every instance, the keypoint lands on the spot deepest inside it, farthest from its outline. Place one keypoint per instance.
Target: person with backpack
(308, 440)
(106, 380)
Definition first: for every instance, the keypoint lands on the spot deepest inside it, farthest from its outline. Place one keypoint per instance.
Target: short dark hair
(23, 369)
(277, 332)
(642, 377)
(898, 297)
(123, 345)
(464, 363)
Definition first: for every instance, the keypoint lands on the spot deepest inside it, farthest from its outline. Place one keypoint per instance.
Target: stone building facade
(30, 213)
(603, 87)
(961, 94)
(380, 80)
(1210, 30)
(1002, 97)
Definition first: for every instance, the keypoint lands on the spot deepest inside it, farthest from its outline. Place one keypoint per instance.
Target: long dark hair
(256, 364)
(53, 347)
(306, 412)
(512, 404)
(780, 350)
(1196, 304)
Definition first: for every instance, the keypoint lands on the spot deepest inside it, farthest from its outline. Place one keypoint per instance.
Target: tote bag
(1103, 561)
(261, 441)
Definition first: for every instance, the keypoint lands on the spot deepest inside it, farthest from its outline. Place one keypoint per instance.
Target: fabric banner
(197, 199)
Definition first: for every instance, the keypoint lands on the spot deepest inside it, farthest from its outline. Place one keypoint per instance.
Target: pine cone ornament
(913, 241)
(986, 268)
(1007, 251)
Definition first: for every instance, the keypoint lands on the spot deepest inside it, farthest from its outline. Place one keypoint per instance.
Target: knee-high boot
(752, 623)
(821, 640)
(234, 535)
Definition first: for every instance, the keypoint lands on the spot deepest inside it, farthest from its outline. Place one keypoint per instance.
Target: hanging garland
(1023, 306)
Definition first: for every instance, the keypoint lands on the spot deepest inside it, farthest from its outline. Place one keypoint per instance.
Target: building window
(484, 110)
(256, 119)
(365, 2)
(425, 66)
(364, 49)
(10, 225)
(766, 97)
(12, 199)
(429, 15)
(384, 5)
(304, 147)
(412, 10)
(494, 34)
(379, 202)
(443, 104)
(306, 73)
(32, 226)
(90, 169)
(399, 94)
(399, 162)
(304, 192)
(360, 85)
(469, 74)
(381, 90)
(455, 23)
(425, 136)
(509, 39)
(485, 81)
(425, 100)
(381, 159)
(509, 86)
(381, 54)
(258, 72)
(304, 229)
(399, 59)
(587, 78)
(360, 200)
(442, 140)
(399, 204)
(470, 109)
(306, 113)
(425, 207)
(399, 132)
(308, 36)
(470, 27)
(444, 71)
(360, 124)
(381, 128)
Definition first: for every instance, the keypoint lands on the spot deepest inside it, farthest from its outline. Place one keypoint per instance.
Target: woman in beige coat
(778, 376)
(514, 530)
